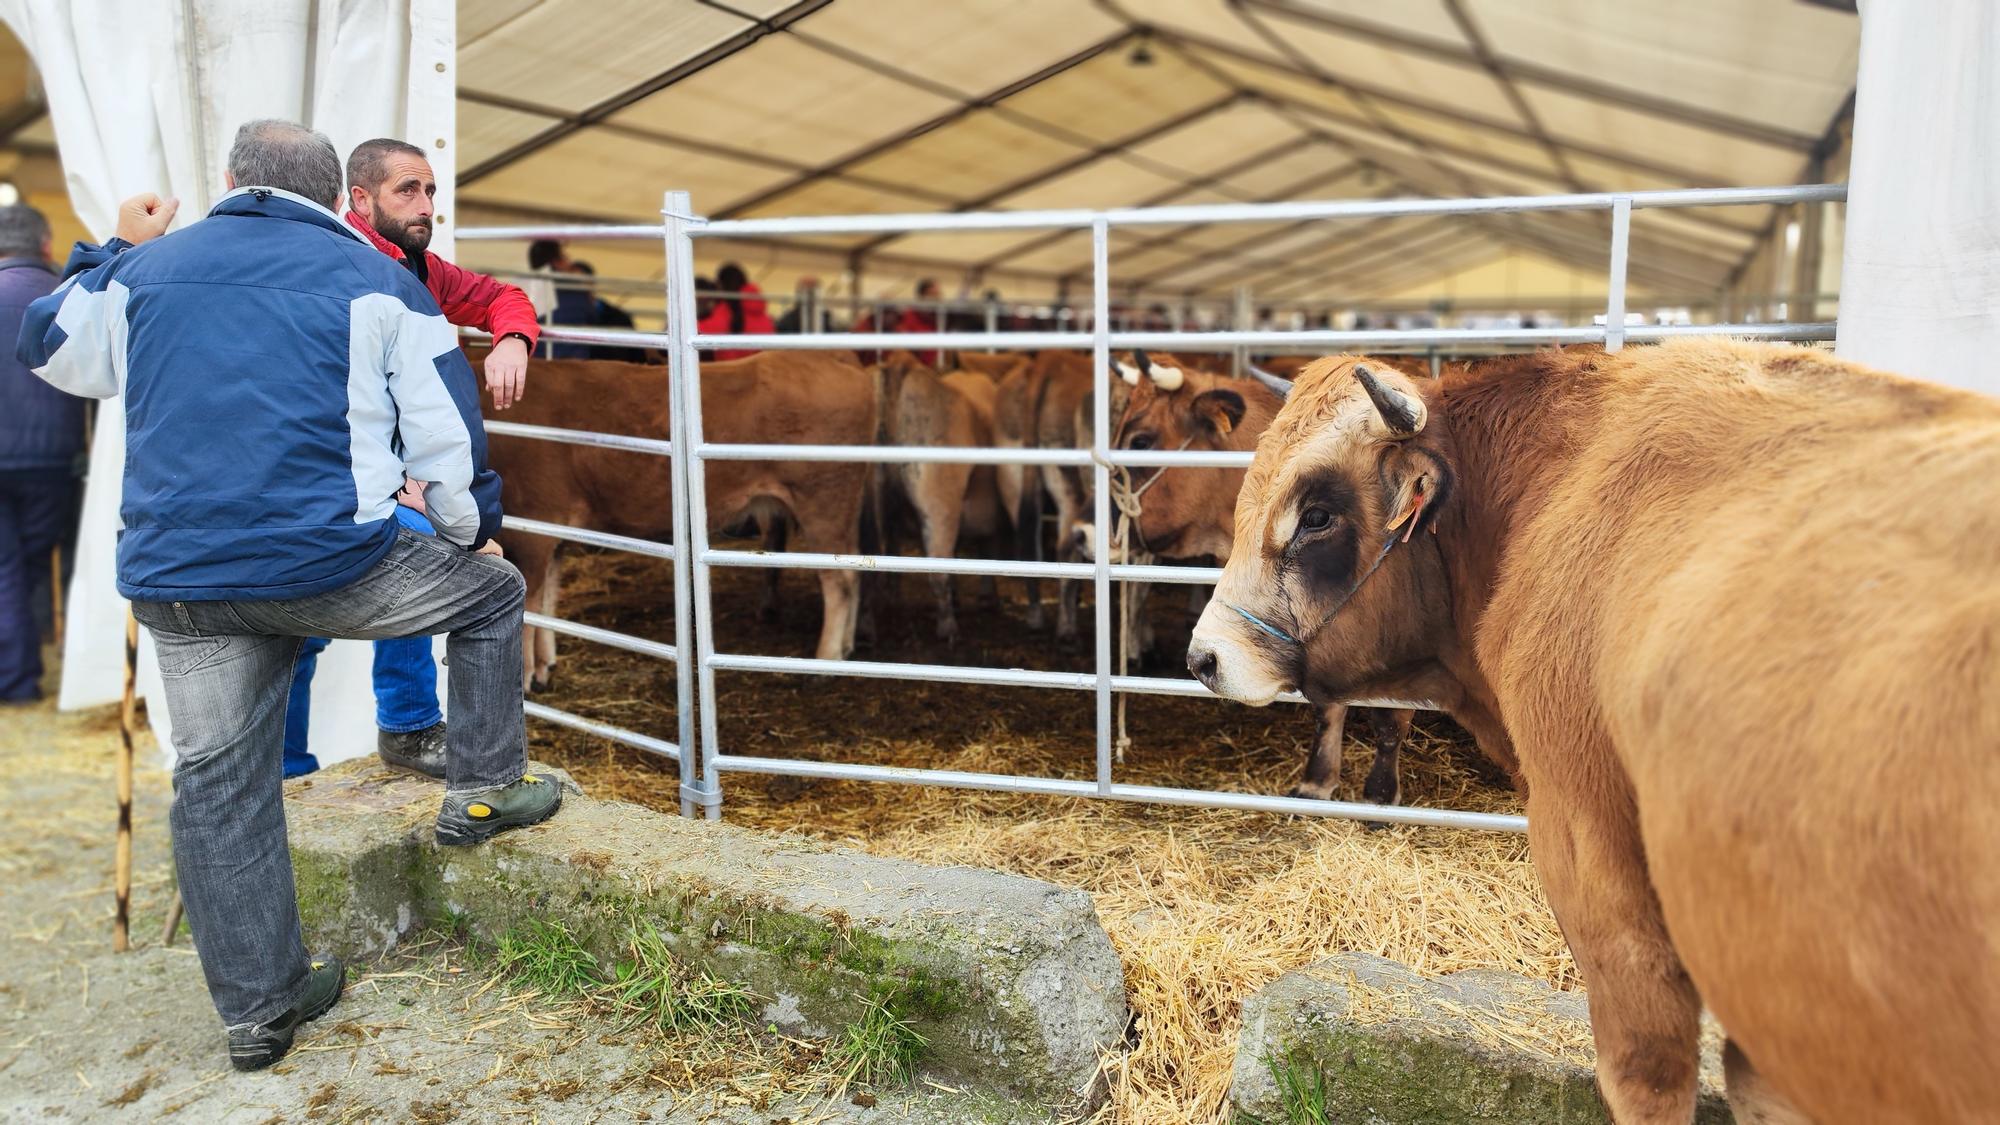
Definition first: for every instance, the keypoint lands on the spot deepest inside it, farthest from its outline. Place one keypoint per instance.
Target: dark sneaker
(475, 818)
(254, 1048)
(419, 751)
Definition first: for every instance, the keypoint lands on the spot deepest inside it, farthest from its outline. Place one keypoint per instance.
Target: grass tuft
(544, 955)
(671, 997)
(1301, 1091)
(882, 1047)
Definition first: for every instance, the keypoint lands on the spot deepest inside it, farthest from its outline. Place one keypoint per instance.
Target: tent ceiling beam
(1483, 50)
(1176, 192)
(1401, 100)
(758, 29)
(696, 144)
(1108, 150)
(966, 107)
(1540, 75)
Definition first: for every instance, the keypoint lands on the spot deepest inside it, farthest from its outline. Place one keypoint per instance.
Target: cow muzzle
(1234, 661)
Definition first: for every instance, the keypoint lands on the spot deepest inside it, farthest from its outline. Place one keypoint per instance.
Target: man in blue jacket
(41, 438)
(281, 377)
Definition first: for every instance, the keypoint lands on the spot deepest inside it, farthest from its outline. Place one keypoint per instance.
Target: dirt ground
(427, 1036)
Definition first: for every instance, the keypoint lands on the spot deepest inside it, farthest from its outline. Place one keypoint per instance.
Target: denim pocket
(179, 654)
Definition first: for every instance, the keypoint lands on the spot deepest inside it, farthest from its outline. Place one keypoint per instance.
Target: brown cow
(918, 407)
(1190, 513)
(1036, 409)
(791, 397)
(1735, 607)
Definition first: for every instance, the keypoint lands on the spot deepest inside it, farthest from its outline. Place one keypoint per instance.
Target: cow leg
(1069, 509)
(777, 530)
(1751, 1099)
(941, 507)
(832, 525)
(1387, 728)
(1644, 1013)
(545, 639)
(1028, 537)
(1323, 765)
(534, 557)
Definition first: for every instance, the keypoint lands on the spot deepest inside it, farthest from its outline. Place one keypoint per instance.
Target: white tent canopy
(147, 97)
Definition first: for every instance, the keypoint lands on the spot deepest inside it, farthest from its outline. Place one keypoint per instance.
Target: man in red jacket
(390, 198)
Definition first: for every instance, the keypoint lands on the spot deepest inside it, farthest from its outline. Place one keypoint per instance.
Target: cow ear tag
(1411, 514)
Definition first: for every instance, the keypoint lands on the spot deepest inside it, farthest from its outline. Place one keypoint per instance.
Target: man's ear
(228, 180)
(357, 201)
(1220, 411)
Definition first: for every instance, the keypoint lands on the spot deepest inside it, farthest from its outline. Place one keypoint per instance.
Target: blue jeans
(406, 693)
(33, 514)
(224, 667)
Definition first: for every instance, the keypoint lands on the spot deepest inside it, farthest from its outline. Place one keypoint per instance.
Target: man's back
(41, 430)
(277, 372)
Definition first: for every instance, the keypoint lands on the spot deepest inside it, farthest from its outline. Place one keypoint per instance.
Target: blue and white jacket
(281, 376)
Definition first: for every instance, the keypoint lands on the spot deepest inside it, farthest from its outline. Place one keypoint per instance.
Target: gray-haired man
(335, 376)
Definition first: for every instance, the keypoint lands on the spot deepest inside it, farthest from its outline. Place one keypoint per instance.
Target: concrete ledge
(1013, 982)
(1386, 1046)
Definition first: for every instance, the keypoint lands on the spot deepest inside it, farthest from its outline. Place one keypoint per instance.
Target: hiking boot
(418, 751)
(254, 1048)
(474, 818)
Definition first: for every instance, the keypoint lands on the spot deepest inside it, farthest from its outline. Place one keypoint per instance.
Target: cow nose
(1201, 662)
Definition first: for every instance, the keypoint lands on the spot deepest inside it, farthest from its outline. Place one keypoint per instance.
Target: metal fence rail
(689, 452)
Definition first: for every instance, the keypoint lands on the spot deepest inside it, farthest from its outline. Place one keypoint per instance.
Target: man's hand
(145, 217)
(491, 547)
(412, 495)
(507, 372)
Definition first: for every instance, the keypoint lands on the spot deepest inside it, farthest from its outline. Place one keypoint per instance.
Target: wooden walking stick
(55, 586)
(121, 935)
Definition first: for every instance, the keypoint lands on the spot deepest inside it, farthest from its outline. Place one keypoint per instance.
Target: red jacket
(756, 322)
(917, 320)
(471, 300)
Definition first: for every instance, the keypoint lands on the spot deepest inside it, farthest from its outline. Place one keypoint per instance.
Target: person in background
(557, 299)
(922, 317)
(738, 315)
(794, 322)
(41, 447)
(604, 314)
(282, 380)
(391, 194)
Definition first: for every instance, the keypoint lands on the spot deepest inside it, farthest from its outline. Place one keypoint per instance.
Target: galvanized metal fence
(688, 452)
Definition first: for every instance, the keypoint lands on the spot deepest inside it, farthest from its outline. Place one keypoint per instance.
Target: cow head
(1186, 513)
(1333, 580)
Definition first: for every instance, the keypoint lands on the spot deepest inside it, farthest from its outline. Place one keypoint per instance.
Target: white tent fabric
(1921, 278)
(146, 97)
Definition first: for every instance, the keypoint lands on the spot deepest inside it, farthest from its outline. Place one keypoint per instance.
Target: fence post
(684, 391)
(1100, 476)
(1614, 303)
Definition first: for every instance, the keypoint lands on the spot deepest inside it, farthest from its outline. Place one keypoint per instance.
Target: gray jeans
(227, 668)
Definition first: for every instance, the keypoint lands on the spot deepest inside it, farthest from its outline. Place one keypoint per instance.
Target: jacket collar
(277, 203)
(25, 262)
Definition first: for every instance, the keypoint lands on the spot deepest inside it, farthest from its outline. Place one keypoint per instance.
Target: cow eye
(1139, 441)
(1315, 518)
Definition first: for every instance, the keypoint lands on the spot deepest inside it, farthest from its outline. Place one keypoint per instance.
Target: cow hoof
(1035, 621)
(1305, 792)
(540, 684)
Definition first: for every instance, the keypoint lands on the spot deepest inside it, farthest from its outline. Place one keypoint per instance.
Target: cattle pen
(694, 558)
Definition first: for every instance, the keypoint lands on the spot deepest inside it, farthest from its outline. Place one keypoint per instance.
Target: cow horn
(1168, 378)
(1128, 373)
(1402, 415)
(1272, 383)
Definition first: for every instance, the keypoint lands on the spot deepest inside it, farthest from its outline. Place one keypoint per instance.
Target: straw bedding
(1204, 906)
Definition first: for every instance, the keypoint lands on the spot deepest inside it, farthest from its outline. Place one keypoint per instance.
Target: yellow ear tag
(479, 811)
